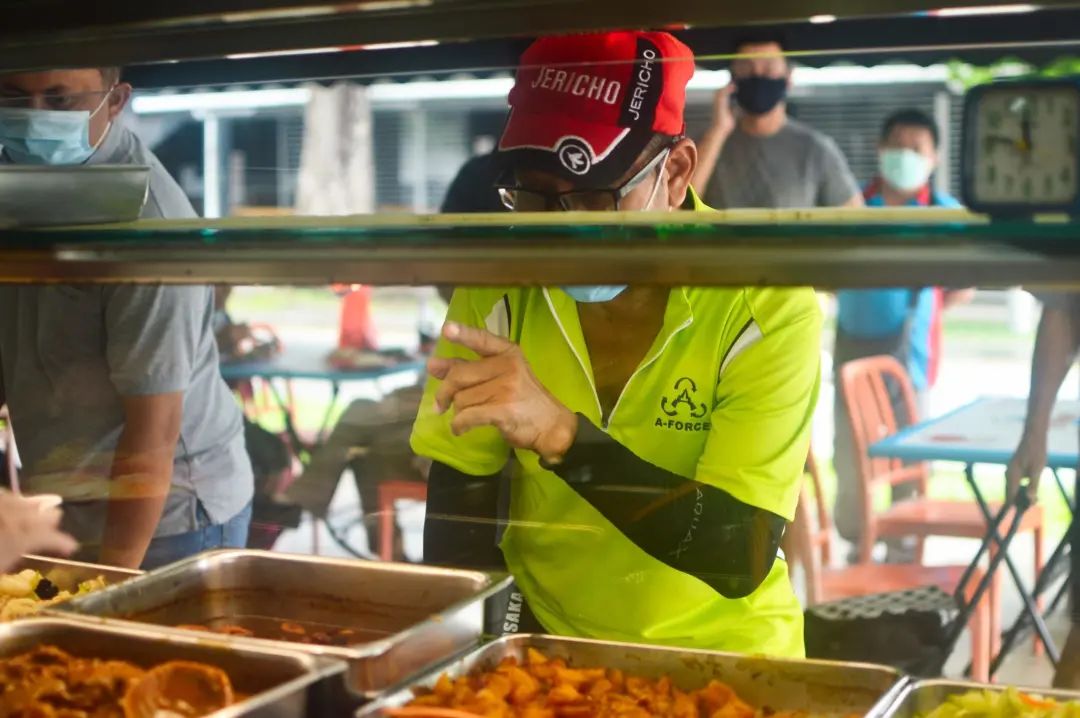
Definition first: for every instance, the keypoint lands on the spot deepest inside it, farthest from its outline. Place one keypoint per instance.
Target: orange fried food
(178, 688)
(47, 681)
(549, 688)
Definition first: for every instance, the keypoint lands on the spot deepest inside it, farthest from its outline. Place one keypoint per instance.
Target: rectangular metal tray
(919, 697)
(282, 684)
(67, 575)
(819, 687)
(41, 196)
(416, 615)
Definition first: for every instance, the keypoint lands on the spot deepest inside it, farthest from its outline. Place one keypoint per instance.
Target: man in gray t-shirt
(114, 390)
(760, 157)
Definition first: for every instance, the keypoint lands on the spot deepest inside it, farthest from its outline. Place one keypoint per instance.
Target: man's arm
(838, 187)
(712, 143)
(154, 336)
(856, 200)
(955, 297)
(460, 525)
(141, 475)
(691, 526)
(1056, 345)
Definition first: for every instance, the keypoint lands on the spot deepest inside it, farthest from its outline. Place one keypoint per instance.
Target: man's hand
(714, 139)
(499, 389)
(31, 525)
(723, 118)
(1027, 463)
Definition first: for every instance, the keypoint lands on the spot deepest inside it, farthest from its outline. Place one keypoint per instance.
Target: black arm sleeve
(692, 527)
(460, 526)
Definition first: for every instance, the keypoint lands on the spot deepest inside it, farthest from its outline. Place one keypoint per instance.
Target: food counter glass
(289, 351)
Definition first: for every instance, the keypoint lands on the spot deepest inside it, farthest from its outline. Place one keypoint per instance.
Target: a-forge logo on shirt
(682, 411)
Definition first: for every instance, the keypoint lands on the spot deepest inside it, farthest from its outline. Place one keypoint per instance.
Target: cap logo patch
(646, 87)
(578, 84)
(641, 82)
(575, 156)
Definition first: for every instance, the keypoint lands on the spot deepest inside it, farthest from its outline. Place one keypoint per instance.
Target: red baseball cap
(585, 106)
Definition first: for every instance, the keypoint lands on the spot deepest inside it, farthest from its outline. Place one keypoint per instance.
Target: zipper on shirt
(605, 422)
(581, 362)
(642, 367)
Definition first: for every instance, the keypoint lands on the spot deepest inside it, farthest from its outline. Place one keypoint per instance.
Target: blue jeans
(169, 549)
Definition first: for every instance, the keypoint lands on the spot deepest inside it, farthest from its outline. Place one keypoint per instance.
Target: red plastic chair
(812, 548)
(870, 412)
(389, 493)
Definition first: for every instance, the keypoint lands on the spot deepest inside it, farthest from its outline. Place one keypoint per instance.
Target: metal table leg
(1046, 578)
(967, 606)
(290, 428)
(1022, 625)
(1030, 608)
(335, 391)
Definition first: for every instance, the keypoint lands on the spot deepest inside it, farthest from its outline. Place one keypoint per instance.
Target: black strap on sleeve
(460, 527)
(692, 527)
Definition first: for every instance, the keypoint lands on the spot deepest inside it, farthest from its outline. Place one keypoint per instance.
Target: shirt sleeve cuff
(589, 442)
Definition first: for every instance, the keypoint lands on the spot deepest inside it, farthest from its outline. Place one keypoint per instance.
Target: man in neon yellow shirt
(660, 434)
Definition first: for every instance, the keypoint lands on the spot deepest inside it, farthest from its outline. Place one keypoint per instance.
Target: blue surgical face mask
(598, 293)
(602, 292)
(906, 170)
(48, 137)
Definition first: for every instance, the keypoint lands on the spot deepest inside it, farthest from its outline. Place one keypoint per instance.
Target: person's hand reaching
(723, 119)
(499, 389)
(1027, 464)
(31, 525)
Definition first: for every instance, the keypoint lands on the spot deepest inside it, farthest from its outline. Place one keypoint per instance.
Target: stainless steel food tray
(819, 687)
(415, 615)
(67, 575)
(919, 697)
(39, 196)
(281, 684)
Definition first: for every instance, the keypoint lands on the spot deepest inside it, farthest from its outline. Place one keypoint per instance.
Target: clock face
(1025, 150)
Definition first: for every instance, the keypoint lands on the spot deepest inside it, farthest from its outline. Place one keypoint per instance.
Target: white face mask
(905, 170)
(49, 137)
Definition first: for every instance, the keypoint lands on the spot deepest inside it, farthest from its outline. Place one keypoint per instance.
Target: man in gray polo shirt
(760, 157)
(114, 390)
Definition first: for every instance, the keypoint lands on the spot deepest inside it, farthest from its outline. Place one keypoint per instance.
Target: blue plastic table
(310, 361)
(987, 431)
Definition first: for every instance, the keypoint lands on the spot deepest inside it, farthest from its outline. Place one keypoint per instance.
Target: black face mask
(757, 95)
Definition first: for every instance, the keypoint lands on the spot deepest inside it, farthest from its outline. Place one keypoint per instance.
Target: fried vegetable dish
(27, 592)
(1009, 703)
(49, 683)
(548, 688)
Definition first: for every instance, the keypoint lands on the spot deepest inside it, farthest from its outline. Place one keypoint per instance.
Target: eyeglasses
(519, 199)
(54, 101)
